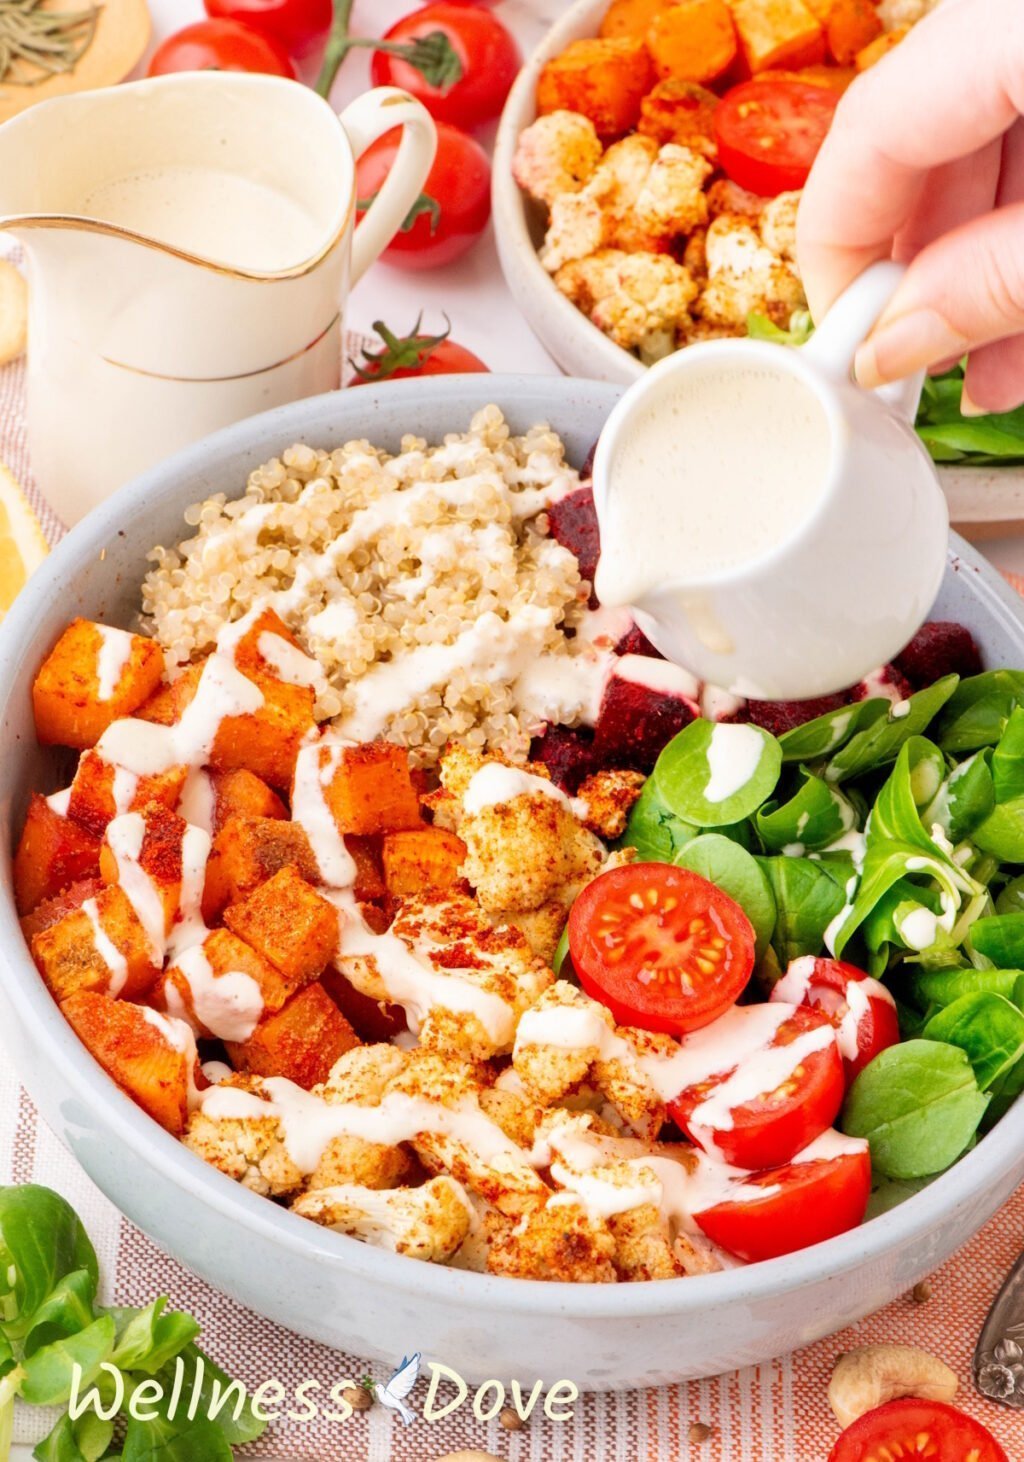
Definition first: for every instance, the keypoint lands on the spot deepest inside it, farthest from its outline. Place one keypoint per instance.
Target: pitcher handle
(834, 343)
(366, 119)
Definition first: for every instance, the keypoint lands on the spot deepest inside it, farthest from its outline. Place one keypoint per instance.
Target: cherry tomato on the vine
(458, 60)
(297, 25)
(220, 45)
(451, 212)
(415, 355)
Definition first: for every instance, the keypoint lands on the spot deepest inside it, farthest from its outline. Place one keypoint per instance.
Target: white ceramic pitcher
(848, 587)
(138, 346)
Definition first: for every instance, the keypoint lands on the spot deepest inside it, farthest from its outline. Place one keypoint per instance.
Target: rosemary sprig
(36, 44)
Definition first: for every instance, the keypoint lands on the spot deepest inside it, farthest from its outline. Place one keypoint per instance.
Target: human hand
(925, 163)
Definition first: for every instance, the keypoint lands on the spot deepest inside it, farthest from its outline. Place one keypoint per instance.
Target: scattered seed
(921, 1293)
(510, 1420)
(700, 1432)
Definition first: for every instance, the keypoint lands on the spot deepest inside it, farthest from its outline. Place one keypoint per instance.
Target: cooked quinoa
(424, 583)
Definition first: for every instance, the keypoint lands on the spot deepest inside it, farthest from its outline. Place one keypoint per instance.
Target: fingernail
(907, 344)
(969, 407)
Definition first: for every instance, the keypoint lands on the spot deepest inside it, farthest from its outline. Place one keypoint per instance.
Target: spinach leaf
(942, 987)
(712, 774)
(807, 899)
(147, 1339)
(41, 1241)
(977, 712)
(918, 1105)
(989, 1028)
(880, 743)
(1000, 938)
(738, 873)
(825, 734)
(813, 817)
(653, 829)
(47, 1375)
(1002, 832)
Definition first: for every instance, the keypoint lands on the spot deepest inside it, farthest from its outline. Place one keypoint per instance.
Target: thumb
(963, 291)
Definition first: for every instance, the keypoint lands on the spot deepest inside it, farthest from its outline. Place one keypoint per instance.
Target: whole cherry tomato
(299, 26)
(220, 45)
(458, 60)
(451, 212)
(415, 355)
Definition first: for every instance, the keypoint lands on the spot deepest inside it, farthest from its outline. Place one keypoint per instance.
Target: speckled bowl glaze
(333, 1288)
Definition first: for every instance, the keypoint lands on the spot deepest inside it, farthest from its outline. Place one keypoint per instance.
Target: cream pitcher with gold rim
(190, 243)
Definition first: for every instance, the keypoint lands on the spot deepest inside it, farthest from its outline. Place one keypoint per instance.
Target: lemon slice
(22, 545)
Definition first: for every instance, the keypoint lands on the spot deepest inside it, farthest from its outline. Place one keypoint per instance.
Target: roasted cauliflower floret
(568, 1042)
(641, 300)
(560, 1241)
(467, 1141)
(583, 223)
(672, 200)
(622, 173)
(579, 227)
(429, 1223)
(608, 797)
(243, 1142)
(556, 155)
(725, 196)
(745, 276)
(778, 225)
(361, 1078)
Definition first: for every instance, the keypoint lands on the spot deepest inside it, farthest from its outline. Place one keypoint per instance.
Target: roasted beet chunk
(635, 642)
(568, 754)
(779, 717)
(587, 470)
(646, 702)
(888, 682)
(573, 523)
(939, 648)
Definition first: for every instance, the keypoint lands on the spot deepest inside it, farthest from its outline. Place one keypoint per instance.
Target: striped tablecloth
(771, 1413)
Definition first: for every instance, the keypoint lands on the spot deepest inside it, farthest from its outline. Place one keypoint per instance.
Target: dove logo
(393, 1394)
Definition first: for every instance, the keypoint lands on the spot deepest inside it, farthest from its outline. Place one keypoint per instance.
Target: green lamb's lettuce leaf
(147, 1339)
(801, 328)
(808, 897)
(919, 1106)
(738, 873)
(68, 1308)
(177, 1440)
(219, 1398)
(942, 987)
(886, 863)
(977, 712)
(815, 816)
(988, 1028)
(85, 1440)
(879, 743)
(826, 734)
(964, 800)
(48, 1375)
(654, 830)
(999, 938)
(1011, 897)
(997, 438)
(41, 1241)
(706, 757)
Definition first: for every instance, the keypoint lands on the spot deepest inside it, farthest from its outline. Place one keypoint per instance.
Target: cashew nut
(874, 1374)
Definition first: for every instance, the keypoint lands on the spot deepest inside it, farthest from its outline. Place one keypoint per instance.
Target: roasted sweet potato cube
(242, 794)
(368, 884)
(630, 18)
(100, 791)
(851, 25)
(150, 1058)
(249, 850)
(777, 33)
(92, 676)
(53, 852)
(605, 80)
(371, 790)
(51, 911)
(424, 858)
(877, 49)
(101, 946)
(166, 706)
(372, 1020)
(290, 924)
(154, 840)
(301, 1041)
(223, 954)
(694, 40)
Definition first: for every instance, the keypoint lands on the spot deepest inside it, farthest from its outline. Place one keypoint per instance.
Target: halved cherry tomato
(458, 60)
(452, 211)
(297, 25)
(861, 1008)
(769, 133)
(663, 948)
(911, 1428)
(804, 1203)
(220, 45)
(798, 1101)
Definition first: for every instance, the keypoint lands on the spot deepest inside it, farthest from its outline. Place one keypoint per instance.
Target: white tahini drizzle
(113, 655)
(733, 753)
(228, 1006)
(796, 982)
(106, 949)
(496, 783)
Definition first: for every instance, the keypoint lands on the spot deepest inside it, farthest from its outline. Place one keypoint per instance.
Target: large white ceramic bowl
(976, 495)
(334, 1288)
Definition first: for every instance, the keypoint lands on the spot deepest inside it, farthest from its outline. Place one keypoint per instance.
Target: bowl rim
(910, 1221)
